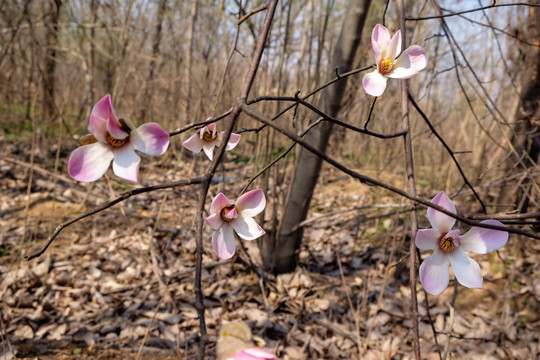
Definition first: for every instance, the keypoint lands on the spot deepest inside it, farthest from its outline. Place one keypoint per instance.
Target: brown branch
(467, 11)
(374, 182)
(119, 199)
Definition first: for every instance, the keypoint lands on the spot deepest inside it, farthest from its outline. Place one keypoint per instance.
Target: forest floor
(119, 284)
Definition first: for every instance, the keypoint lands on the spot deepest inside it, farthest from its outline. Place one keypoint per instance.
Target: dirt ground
(119, 284)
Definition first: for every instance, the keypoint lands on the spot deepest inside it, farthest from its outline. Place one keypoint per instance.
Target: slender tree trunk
(148, 89)
(526, 138)
(280, 253)
(50, 19)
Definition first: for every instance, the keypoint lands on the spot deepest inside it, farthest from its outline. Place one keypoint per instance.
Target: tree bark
(50, 19)
(526, 135)
(280, 253)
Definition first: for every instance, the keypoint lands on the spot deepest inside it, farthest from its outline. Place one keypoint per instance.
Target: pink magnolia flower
(207, 139)
(253, 353)
(449, 248)
(226, 216)
(389, 65)
(114, 139)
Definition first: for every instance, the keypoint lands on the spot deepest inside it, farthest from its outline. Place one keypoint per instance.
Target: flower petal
(101, 113)
(254, 353)
(194, 143)
(89, 162)
(426, 239)
(483, 241)
(233, 141)
(374, 83)
(467, 270)
(150, 139)
(380, 37)
(219, 202)
(394, 46)
(126, 163)
(251, 203)
(439, 221)
(209, 150)
(247, 228)
(223, 242)
(214, 220)
(114, 130)
(434, 273)
(409, 63)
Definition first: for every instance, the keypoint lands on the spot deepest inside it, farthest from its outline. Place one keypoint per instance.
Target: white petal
(466, 269)
(150, 138)
(247, 228)
(89, 162)
(223, 242)
(126, 163)
(439, 221)
(426, 239)
(483, 241)
(251, 203)
(434, 273)
(374, 83)
(209, 151)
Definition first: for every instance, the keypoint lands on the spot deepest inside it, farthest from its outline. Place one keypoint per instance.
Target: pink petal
(253, 353)
(114, 129)
(394, 47)
(150, 139)
(374, 83)
(466, 269)
(104, 108)
(247, 228)
(434, 273)
(219, 202)
(483, 241)
(233, 141)
(380, 38)
(439, 221)
(194, 143)
(214, 220)
(426, 239)
(210, 128)
(409, 63)
(101, 113)
(209, 150)
(251, 203)
(126, 163)
(223, 242)
(89, 162)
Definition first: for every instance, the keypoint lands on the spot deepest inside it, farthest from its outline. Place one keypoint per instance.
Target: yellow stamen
(446, 244)
(116, 142)
(224, 213)
(207, 136)
(385, 66)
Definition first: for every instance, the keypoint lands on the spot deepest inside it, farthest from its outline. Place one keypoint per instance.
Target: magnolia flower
(236, 342)
(226, 216)
(449, 248)
(207, 139)
(386, 52)
(114, 139)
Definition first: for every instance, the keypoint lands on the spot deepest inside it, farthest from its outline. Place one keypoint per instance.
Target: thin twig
(467, 11)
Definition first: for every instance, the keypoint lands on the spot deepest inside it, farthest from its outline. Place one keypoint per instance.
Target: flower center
(114, 142)
(447, 244)
(229, 213)
(207, 136)
(385, 66)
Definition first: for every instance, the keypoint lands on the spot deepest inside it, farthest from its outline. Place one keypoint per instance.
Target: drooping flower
(207, 139)
(389, 65)
(114, 139)
(450, 247)
(226, 216)
(253, 353)
(236, 342)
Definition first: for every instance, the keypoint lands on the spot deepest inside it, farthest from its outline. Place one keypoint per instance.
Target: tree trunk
(50, 19)
(148, 89)
(280, 253)
(526, 136)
